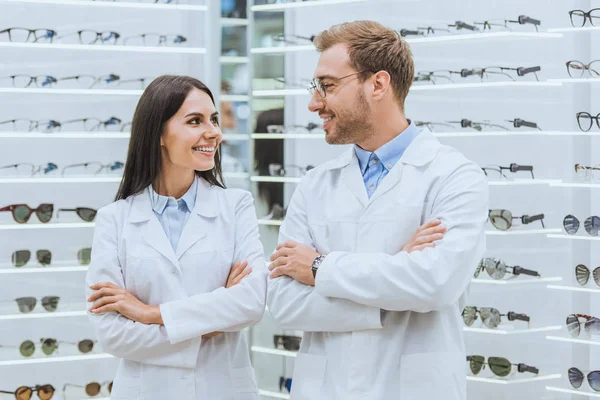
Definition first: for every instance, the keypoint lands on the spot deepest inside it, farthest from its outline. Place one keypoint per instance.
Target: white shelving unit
(572, 237)
(520, 280)
(583, 29)
(43, 315)
(273, 394)
(102, 4)
(275, 352)
(574, 340)
(281, 179)
(575, 288)
(75, 92)
(500, 381)
(50, 360)
(572, 391)
(104, 48)
(524, 182)
(576, 185)
(270, 222)
(295, 136)
(65, 135)
(517, 232)
(41, 270)
(305, 4)
(518, 331)
(65, 225)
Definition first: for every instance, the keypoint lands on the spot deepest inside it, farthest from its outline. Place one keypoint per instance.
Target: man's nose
(316, 102)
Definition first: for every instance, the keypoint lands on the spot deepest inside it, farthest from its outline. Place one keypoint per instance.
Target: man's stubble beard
(353, 126)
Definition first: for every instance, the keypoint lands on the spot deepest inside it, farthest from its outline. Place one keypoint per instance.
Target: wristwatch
(316, 262)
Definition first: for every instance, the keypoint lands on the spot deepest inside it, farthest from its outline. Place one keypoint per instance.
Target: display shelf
(39, 270)
(273, 394)
(521, 280)
(282, 49)
(115, 4)
(105, 48)
(280, 92)
(55, 225)
(236, 175)
(234, 22)
(276, 352)
(512, 331)
(572, 237)
(65, 135)
(236, 136)
(485, 37)
(270, 222)
(303, 4)
(234, 97)
(233, 60)
(574, 288)
(522, 182)
(501, 381)
(575, 80)
(42, 315)
(451, 86)
(281, 179)
(572, 391)
(469, 134)
(573, 133)
(49, 360)
(575, 185)
(78, 92)
(517, 232)
(574, 30)
(82, 179)
(573, 340)
(296, 136)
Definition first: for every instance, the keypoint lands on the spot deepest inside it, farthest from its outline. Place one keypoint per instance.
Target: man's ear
(381, 84)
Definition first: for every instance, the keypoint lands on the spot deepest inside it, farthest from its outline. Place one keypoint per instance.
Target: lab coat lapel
(352, 178)
(198, 223)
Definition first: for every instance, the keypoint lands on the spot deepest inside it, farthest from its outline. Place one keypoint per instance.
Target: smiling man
(380, 305)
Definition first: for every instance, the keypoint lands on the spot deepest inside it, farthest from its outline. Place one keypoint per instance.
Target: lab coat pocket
(127, 382)
(433, 376)
(309, 372)
(334, 236)
(244, 380)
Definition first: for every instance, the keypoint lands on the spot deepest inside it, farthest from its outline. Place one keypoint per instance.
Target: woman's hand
(109, 297)
(236, 274)
(425, 236)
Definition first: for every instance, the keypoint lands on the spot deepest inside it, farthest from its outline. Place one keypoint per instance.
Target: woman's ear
(381, 84)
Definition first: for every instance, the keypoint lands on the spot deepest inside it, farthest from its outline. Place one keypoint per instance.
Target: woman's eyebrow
(199, 114)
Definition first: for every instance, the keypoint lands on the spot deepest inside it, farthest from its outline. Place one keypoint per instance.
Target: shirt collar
(160, 202)
(389, 153)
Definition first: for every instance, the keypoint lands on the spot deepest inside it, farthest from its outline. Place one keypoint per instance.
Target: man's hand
(294, 260)
(425, 236)
(109, 297)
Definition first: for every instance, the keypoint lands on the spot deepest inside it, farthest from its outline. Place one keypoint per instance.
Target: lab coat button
(173, 271)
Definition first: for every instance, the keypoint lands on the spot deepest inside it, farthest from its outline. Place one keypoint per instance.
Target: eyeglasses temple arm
(518, 271)
(4, 391)
(527, 368)
(7, 208)
(522, 71)
(526, 219)
(513, 316)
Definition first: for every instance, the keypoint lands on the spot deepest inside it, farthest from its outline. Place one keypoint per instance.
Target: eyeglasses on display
(27, 304)
(44, 392)
(502, 219)
(591, 225)
(20, 258)
(22, 212)
(490, 317)
(500, 366)
(497, 171)
(576, 378)
(591, 325)
(497, 269)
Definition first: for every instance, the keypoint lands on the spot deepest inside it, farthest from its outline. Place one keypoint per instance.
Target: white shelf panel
(573, 237)
(162, 7)
(517, 232)
(234, 97)
(276, 352)
(301, 136)
(501, 381)
(281, 179)
(573, 133)
(575, 80)
(572, 391)
(451, 86)
(105, 48)
(234, 22)
(236, 136)
(270, 222)
(56, 225)
(576, 185)
(512, 331)
(573, 340)
(574, 288)
(484, 37)
(517, 281)
(275, 395)
(236, 175)
(26, 270)
(233, 60)
(488, 134)
(280, 92)
(65, 135)
(523, 182)
(574, 30)
(303, 4)
(56, 359)
(78, 92)
(282, 49)
(42, 315)
(103, 179)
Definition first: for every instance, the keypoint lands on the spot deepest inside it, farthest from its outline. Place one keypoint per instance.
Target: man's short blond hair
(373, 47)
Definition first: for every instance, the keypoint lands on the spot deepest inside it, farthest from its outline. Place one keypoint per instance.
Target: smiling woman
(177, 267)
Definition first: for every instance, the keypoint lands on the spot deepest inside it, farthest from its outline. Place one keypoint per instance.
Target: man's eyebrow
(325, 77)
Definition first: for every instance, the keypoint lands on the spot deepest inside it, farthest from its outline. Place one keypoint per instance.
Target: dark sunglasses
(20, 258)
(500, 366)
(576, 378)
(44, 392)
(284, 342)
(285, 383)
(582, 274)
(502, 219)
(497, 269)
(590, 324)
(491, 317)
(591, 225)
(86, 214)
(22, 212)
(49, 346)
(27, 304)
(91, 389)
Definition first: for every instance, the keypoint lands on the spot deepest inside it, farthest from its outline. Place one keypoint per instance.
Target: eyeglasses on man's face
(322, 85)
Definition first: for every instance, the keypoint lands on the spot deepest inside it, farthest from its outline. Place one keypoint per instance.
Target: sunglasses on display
(91, 389)
(49, 346)
(26, 169)
(576, 68)
(576, 378)
(318, 84)
(293, 39)
(281, 170)
(44, 392)
(497, 171)
(499, 366)
(93, 168)
(284, 342)
(585, 120)
(85, 213)
(502, 219)
(497, 269)
(22, 212)
(24, 35)
(277, 213)
(591, 325)
(20, 258)
(308, 128)
(490, 317)
(586, 172)
(27, 304)
(285, 383)
(582, 274)
(580, 18)
(591, 225)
